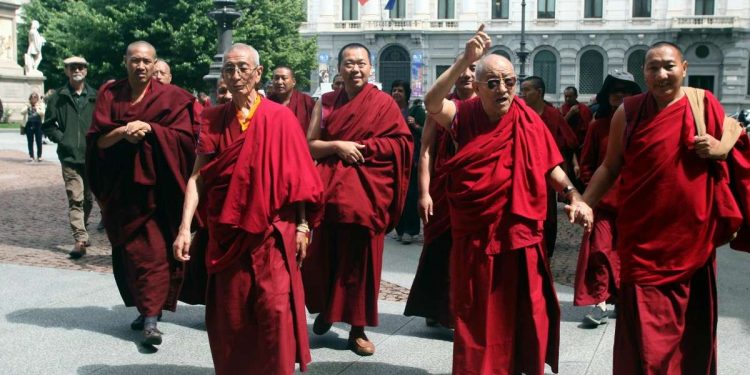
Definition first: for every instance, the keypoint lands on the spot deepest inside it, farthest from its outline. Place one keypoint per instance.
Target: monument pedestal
(15, 87)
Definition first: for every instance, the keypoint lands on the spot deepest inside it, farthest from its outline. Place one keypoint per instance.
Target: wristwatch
(568, 189)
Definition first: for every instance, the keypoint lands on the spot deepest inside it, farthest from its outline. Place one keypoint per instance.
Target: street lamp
(225, 15)
(521, 53)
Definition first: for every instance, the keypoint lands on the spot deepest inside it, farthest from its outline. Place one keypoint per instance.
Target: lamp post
(225, 15)
(521, 53)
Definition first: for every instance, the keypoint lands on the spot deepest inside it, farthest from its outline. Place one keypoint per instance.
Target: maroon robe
(302, 105)
(255, 314)
(507, 314)
(578, 123)
(598, 269)
(362, 202)
(667, 319)
(567, 144)
(429, 295)
(141, 188)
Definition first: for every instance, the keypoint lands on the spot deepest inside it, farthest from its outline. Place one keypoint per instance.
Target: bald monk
(285, 93)
(533, 90)
(163, 74)
(429, 295)
(507, 315)
(674, 210)
(253, 177)
(576, 114)
(364, 152)
(139, 154)
(338, 82)
(223, 95)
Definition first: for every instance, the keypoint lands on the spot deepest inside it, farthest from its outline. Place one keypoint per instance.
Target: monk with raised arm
(507, 314)
(139, 154)
(253, 178)
(674, 209)
(364, 152)
(429, 295)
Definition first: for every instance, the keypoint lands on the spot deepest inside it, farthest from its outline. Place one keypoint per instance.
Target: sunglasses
(76, 67)
(493, 83)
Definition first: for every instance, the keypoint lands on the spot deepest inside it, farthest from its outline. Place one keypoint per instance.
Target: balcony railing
(394, 24)
(703, 22)
(347, 25)
(444, 24)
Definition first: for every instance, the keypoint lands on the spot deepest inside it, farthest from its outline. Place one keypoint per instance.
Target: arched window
(395, 63)
(635, 67)
(590, 72)
(545, 66)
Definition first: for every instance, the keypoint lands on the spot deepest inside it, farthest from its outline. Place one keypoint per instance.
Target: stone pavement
(59, 320)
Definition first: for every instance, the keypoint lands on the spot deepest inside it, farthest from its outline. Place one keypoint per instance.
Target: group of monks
(285, 203)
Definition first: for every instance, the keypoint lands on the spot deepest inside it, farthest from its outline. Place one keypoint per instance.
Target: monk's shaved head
(665, 44)
(252, 52)
(139, 44)
(353, 46)
(492, 60)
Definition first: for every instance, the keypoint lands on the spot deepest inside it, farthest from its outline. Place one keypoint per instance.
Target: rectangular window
(546, 9)
(446, 9)
(349, 10)
(399, 9)
(500, 9)
(704, 7)
(641, 8)
(593, 9)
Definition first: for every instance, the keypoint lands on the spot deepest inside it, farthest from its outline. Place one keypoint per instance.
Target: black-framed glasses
(493, 83)
(244, 70)
(74, 67)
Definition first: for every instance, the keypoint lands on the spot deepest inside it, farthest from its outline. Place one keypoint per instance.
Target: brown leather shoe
(361, 346)
(79, 250)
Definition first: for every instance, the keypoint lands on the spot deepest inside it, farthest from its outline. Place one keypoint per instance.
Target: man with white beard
(66, 123)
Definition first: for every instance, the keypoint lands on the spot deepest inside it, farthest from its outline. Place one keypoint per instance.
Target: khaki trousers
(79, 199)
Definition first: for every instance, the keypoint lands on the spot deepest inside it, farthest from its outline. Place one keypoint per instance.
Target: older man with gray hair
(255, 175)
(507, 314)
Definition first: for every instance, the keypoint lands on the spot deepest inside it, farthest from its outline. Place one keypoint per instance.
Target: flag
(390, 4)
(362, 2)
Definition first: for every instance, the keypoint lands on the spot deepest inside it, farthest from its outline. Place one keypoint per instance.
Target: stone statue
(33, 55)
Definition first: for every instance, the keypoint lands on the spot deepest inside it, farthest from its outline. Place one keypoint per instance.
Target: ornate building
(569, 42)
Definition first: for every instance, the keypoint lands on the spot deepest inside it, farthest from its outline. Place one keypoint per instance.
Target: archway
(394, 64)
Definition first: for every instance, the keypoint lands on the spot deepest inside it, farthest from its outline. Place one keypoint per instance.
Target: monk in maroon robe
(576, 114)
(140, 148)
(429, 295)
(675, 208)
(507, 315)
(253, 178)
(364, 152)
(598, 270)
(163, 74)
(533, 90)
(285, 93)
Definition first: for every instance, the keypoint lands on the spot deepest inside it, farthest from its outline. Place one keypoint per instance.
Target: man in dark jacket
(66, 123)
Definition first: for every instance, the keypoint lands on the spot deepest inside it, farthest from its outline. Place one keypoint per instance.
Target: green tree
(181, 31)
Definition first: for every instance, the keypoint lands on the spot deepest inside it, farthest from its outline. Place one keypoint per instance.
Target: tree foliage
(181, 31)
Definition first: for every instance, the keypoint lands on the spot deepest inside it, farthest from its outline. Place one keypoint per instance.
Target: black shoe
(321, 326)
(151, 335)
(79, 250)
(137, 324)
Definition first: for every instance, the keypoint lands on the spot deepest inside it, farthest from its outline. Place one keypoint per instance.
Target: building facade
(569, 42)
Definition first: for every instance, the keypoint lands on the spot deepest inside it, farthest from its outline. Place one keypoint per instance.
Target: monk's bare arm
(193, 191)
(606, 175)
(349, 152)
(578, 211)
(426, 162)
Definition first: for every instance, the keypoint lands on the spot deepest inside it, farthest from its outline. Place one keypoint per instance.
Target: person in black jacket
(66, 123)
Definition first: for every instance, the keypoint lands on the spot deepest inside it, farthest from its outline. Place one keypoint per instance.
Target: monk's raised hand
(477, 45)
(302, 243)
(181, 246)
(425, 207)
(350, 152)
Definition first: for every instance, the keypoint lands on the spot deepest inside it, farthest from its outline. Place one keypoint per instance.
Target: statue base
(15, 90)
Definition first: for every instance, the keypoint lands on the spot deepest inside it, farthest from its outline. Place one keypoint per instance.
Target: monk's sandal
(597, 316)
(151, 335)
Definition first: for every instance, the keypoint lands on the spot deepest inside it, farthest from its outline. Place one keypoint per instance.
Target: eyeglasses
(493, 83)
(73, 67)
(244, 70)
